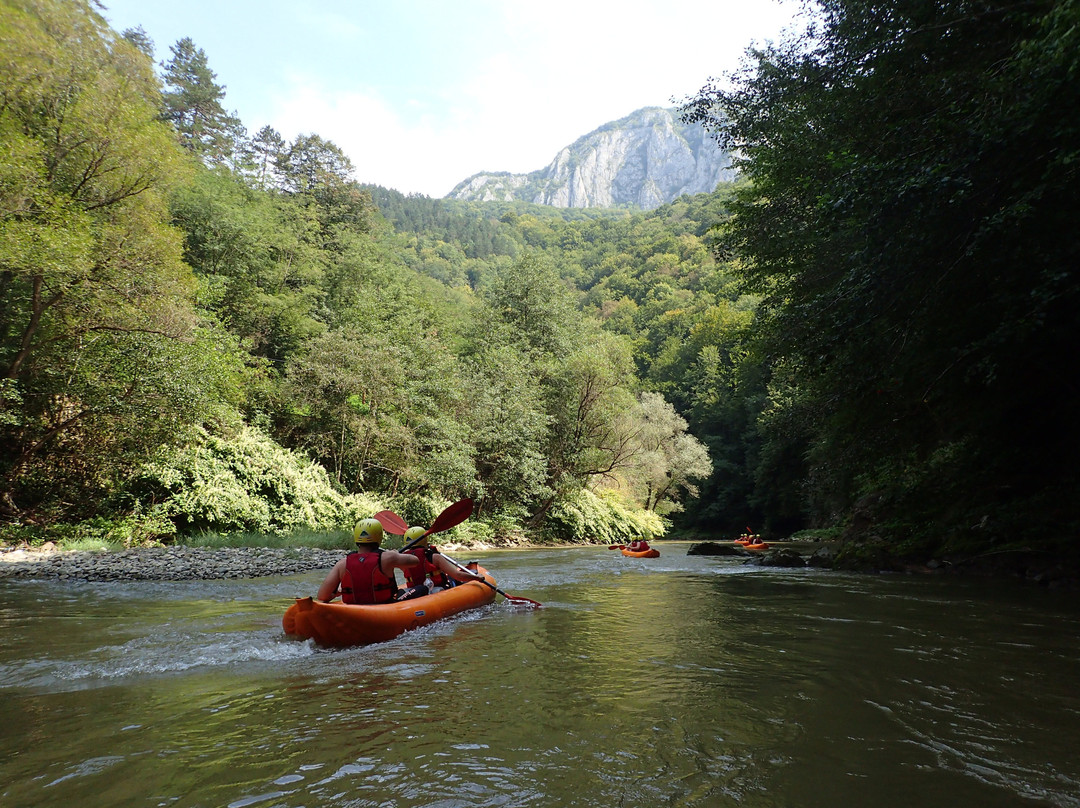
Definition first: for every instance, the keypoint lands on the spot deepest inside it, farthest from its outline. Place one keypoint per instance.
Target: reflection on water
(672, 681)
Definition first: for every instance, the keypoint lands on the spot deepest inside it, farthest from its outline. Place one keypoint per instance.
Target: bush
(245, 483)
(588, 518)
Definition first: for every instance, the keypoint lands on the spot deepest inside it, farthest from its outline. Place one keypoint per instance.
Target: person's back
(434, 566)
(364, 580)
(426, 573)
(366, 576)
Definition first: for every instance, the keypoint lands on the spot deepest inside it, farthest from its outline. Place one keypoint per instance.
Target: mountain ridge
(643, 160)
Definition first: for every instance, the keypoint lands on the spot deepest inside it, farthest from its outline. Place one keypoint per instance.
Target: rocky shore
(163, 563)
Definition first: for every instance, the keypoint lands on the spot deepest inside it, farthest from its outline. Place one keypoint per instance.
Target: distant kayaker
(435, 571)
(638, 546)
(367, 575)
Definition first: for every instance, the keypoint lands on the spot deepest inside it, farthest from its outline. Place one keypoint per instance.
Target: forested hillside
(206, 330)
(873, 332)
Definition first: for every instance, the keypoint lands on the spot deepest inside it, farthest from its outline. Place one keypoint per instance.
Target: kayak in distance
(340, 625)
(650, 553)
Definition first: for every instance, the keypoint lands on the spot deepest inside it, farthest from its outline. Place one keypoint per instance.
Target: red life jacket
(415, 576)
(364, 580)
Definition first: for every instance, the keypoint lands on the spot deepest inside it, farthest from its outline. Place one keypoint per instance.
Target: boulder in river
(712, 548)
(782, 558)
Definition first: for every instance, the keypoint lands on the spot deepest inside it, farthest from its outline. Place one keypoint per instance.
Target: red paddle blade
(392, 523)
(452, 516)
(517, 600)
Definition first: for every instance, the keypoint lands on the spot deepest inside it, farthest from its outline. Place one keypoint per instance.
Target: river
(676, 681)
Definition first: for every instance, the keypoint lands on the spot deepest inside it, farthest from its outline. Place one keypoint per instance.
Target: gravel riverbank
(164, 563)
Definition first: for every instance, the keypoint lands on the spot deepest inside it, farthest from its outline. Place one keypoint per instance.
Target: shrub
(586, 517)
(245, 482)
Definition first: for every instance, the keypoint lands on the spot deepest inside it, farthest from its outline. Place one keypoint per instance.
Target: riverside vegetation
(872, 333)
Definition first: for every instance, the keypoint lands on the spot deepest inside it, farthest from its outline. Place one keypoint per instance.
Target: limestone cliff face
(645, 159)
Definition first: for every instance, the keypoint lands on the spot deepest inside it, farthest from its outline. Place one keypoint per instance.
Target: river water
(677, 681)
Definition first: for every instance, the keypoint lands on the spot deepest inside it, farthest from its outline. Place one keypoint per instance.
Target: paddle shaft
(488, 583)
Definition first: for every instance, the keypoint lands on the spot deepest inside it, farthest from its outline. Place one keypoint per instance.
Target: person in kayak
(638, 546)
(435, 571)
(367, 575)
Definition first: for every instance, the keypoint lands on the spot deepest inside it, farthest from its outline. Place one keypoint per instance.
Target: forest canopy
(909, 220)
(872, 331)
(176, 291)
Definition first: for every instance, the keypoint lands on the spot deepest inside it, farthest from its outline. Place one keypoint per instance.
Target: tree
(99, 350)
(138, 37)
(533, 303)
(192, 103)
(509, 429)
(259, 260)
(593, 435)
(670, 458)
(268, 152)
(312, 163)
(909, 220)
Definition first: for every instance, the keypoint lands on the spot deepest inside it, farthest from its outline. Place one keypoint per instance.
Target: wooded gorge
(873, 332)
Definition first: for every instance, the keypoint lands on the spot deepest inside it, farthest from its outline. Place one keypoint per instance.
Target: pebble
(164, 563)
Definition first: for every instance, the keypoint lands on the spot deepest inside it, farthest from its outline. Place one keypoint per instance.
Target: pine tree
(192, 101)
(138, 37)
(268, 151)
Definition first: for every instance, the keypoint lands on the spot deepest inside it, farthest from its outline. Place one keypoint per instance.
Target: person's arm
(396, 560)
(328, 588)
(449, 568)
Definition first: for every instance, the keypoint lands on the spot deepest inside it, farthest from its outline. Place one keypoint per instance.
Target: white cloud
(554, 72)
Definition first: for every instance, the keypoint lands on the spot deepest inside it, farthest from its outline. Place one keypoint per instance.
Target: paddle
(525, 601)
(453, 516)
(392, 523)
(616, 546)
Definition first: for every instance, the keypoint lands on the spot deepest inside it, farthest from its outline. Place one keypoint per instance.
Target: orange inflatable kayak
(758, 546)
(339, 625)
(650, 553)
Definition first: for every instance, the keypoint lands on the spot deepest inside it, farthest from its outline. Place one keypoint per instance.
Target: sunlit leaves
(96, 332)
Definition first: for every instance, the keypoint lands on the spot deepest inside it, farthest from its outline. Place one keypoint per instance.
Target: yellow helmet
(415, 536)
(368, 531)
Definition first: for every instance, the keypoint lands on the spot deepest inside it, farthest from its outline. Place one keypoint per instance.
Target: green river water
(677, 681)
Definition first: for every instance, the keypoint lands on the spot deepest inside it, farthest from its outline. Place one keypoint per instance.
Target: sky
(422, 94)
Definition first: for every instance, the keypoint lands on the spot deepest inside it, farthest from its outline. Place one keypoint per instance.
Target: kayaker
(638, 546)
(435, 571)
(366, 575)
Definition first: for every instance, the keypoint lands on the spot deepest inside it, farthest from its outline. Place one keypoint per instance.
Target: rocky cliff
(646, 159)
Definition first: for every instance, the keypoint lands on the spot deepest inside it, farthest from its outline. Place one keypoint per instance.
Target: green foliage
(455, 356)
(919, 281)
(508, 428)
(245, 482)
(297, 537)
(99, 344)
(589, 518)
(670, 459)
(135, 527)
